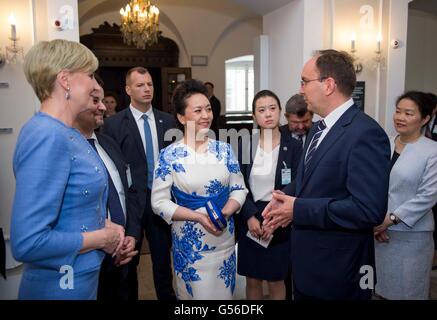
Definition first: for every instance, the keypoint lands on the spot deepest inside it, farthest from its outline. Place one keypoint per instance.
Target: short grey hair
(296, 105)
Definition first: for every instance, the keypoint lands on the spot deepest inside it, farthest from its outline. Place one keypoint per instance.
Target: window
(239, 84)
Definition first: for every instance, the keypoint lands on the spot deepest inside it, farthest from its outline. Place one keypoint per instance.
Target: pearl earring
(67, 94)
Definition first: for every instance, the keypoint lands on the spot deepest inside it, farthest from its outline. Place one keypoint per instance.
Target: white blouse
(263, 174)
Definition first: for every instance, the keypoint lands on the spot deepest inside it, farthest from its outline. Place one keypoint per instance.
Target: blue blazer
(61, 191)
(124, 130)
(340, 198)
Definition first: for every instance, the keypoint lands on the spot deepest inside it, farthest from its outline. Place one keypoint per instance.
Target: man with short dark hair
(340, 191)
(139, 130)
(299, 118)
(122, 203)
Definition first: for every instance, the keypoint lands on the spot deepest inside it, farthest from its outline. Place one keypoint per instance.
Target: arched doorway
(116, 58)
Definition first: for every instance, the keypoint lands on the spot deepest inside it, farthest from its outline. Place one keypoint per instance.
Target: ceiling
(259, 7)
(262, 7)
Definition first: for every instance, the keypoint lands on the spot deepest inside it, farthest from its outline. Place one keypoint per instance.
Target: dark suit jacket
(285, 130)
(216, 108)
(123, 129)
(133, 214)
(290, 152)
(434, 135)
(340, 198)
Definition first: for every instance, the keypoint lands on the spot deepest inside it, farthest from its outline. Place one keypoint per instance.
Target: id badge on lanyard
(285, 174)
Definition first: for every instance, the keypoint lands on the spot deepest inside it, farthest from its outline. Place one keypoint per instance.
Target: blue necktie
(114, 204)
(313, 146)
(149, 151)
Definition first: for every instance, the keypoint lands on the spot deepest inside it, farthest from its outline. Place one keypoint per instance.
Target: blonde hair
(46, 59)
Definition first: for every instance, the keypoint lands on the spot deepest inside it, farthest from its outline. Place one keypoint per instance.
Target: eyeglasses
(303, 82)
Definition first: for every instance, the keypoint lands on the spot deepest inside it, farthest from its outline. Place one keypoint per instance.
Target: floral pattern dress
(204, 264)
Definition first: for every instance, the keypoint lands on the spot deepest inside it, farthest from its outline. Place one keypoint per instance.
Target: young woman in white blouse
(268, 163)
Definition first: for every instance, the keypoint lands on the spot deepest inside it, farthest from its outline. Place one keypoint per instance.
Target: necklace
(405, 143)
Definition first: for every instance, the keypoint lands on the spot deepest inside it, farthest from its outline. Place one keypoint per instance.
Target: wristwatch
(393, 218)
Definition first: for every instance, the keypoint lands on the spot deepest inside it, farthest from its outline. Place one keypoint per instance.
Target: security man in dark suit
(122, 202)
(139, 131)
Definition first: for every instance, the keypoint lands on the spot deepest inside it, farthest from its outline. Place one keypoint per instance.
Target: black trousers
(113, 281)
(158, 234)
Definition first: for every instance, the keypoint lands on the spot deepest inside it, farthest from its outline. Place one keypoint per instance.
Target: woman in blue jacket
(58, 226)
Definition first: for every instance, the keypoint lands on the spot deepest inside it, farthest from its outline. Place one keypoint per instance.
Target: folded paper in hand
(264, 243)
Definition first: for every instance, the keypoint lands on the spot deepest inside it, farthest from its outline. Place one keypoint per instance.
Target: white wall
(19, 103)
(283, 27)
(394, 74)
(238, 41)
(386, 81)
(300, 27)
(294, 32)
(421, 70)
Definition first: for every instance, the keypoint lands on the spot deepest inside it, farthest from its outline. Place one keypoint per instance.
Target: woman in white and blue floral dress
(188, 173)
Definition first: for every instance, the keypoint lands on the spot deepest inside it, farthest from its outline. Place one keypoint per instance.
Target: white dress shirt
(296, 137)
(113, 172)
(332, 118)
(263, 174)
(138, 116)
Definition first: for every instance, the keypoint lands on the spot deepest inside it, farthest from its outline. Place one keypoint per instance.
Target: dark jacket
(123, 129)
(133, 214)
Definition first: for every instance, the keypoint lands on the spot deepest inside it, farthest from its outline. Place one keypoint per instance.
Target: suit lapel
(330, 139)
(159, 129)
(282, 157)
(301, 166)
(131, 124)
(434, 135)
(253, 147)
(119, 164)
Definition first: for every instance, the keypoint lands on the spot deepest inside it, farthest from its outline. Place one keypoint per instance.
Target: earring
(67, 94)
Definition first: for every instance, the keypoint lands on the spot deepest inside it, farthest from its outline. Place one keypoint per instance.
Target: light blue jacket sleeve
(411, 211)
(41, 167)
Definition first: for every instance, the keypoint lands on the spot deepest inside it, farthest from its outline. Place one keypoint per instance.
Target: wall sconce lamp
(14, 52)
(378, 57)
(357, 63)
